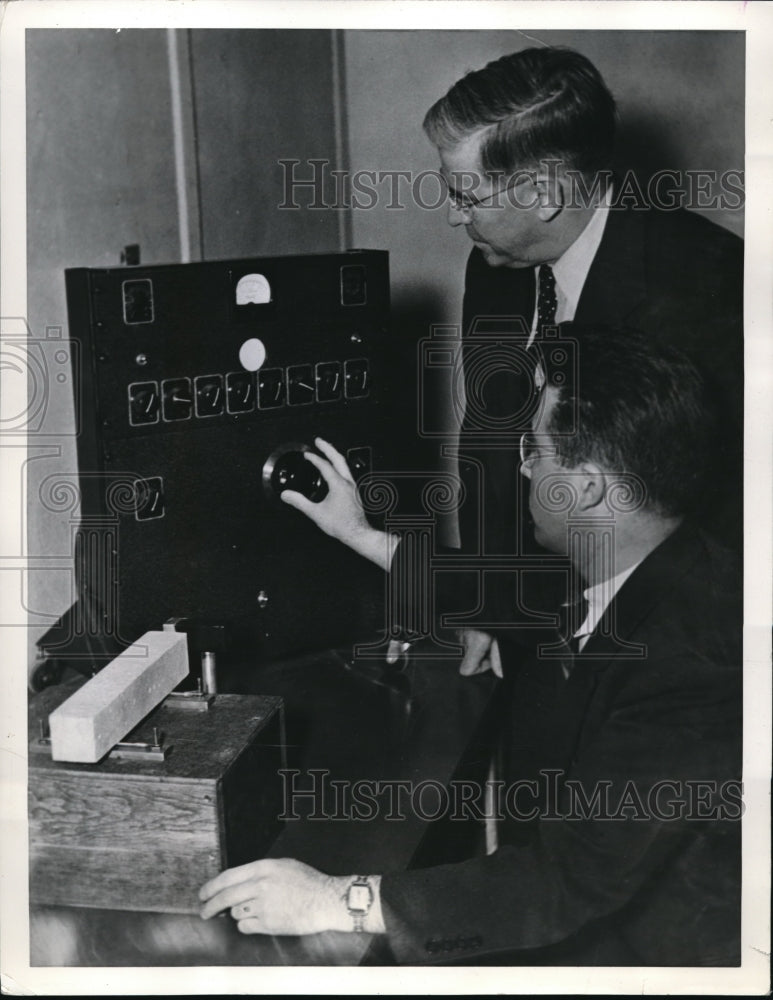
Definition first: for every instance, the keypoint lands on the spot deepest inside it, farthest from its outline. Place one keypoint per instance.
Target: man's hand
(481, 653)
(278, 896)
(340, 514)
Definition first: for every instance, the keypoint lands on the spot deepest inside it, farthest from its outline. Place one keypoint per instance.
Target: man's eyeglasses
(534, 446)
(465, 204)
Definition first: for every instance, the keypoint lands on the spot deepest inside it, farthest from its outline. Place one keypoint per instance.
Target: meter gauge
(240, 392)
(144, 403)
(329, 381)
(271, 388)
(354, 285)
(209, 395)
(300, 385)
(357, 378)
(360, 462)
(176, 399)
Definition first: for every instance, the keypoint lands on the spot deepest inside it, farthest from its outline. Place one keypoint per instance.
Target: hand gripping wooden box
(136, 833)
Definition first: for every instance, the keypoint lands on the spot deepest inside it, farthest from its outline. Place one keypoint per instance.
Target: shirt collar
(571, 268)
(599, 596)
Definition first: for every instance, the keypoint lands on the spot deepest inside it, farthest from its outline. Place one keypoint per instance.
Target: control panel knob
(287, 469)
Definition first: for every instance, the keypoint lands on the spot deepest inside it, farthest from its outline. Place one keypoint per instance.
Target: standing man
(620, 840)
(526, 145)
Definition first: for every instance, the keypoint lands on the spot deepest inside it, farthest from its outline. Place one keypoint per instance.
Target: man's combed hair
(538, 104)
(636, 406)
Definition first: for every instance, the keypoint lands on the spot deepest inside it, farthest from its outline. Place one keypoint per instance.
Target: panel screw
(262, 598)
(141, 359)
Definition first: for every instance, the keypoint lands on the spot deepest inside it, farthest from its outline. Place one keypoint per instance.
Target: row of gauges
(237, 392)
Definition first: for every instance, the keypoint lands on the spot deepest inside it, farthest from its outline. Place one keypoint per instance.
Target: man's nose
(455, 217)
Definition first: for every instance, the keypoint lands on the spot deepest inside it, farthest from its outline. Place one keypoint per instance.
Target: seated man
(620, 833)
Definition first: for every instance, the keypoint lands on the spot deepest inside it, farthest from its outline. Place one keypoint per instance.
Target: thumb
(297, 500)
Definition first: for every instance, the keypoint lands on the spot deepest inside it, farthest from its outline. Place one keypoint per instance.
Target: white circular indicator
(252, 288)
(252, 354)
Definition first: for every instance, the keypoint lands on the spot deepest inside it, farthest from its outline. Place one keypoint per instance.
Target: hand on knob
(340, 513)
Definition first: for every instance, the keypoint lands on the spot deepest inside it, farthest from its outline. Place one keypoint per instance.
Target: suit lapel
(616, 282)
(499, 306)
(646, 587)
(497, 292)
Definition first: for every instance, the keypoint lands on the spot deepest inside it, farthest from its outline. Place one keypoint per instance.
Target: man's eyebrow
(455, 193)
(470, 180)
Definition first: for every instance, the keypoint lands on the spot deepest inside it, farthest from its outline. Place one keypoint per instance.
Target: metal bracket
(191, 701)
(144, 751)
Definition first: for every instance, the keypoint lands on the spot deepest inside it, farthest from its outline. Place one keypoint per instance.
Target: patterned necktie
(546, 298)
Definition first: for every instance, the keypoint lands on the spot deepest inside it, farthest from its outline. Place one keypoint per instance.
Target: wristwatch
(359, 899)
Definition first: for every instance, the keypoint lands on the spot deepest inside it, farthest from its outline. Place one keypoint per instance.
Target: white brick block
(86, 726)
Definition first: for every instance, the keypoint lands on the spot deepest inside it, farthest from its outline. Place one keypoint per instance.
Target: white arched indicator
(252, 288)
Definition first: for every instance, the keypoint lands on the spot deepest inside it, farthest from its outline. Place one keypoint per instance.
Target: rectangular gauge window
(329, 381)
(354, 285)
(240, 392)
(137, 301)
(300, 385)
(360, 461)
(357, 378)
(149, 498)
(209, 395)
(271, 388)
(144, 403)
(176, 399)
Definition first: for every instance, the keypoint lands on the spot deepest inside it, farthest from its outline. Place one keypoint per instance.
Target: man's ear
(551, 194)
(591, 486)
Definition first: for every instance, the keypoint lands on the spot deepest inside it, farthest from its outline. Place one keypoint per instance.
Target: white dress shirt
(572, 267)
(599, 597)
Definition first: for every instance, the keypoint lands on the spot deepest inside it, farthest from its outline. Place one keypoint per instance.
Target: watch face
(359, 898)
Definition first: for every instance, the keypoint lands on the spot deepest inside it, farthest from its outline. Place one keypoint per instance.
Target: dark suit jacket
(672, 274)
(637, 887)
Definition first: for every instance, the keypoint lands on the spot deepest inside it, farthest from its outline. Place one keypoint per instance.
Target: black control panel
(202, 385)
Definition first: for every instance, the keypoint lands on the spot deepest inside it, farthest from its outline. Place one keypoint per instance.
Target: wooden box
(138, 834)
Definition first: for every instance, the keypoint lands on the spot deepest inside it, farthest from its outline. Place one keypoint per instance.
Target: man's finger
(227, 898)
(250, 926)
(298, 500)
(327, 469)
(231, 876)
(246, 910)
(337, 460)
